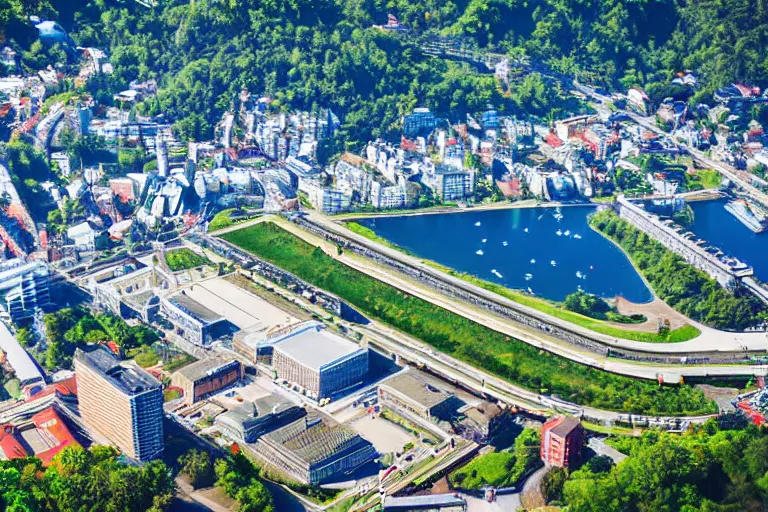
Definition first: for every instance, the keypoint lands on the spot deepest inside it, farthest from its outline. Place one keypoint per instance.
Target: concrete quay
(726, 275)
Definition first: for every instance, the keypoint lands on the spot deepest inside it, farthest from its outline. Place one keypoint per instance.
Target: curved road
(710, 340)
(535, 337)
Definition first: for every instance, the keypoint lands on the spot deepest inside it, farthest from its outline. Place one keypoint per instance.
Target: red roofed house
(52, 434)
(11, 447)
(511, 189)
(562, 438)
(553, 140)
(43, 436)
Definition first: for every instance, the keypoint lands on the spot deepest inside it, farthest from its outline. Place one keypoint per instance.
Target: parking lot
(385, 436)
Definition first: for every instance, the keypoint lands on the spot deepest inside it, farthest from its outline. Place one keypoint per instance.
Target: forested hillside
(311, 53)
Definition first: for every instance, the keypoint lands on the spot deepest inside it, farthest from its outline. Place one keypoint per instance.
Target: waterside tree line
(687, 289)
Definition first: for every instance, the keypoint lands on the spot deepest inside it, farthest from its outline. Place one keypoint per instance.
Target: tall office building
(24, 288)
(122, 402)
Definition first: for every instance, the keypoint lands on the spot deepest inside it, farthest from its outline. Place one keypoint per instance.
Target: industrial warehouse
(317, 362)
(202, 378)
(314, 452)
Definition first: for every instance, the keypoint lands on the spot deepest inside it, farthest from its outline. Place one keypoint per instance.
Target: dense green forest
(688, 290)
(68, 328)
(309, 53)
(84, 480)
(711, 468)
(510, 359)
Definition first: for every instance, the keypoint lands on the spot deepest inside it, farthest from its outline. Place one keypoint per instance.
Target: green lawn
(511, 359)
(684, 333)
(178, 362)
(13, 387)
(221, 220)
(500, 469)
(710, 178)
(146, 357)
(171, 394)
(183, 259)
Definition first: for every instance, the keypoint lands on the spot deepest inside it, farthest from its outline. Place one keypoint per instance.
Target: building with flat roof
(129, 289)
(121, 401)
(21, 363)
(449, 183)
(24, 289)
(414, 396)
(192, 320)
(419, 122)
(322, 363)
(249, 421)
(430, 503)
(562, 439)
(314, 452)
(207, 376)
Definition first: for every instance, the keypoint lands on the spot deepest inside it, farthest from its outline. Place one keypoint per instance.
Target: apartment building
(121, 401)
(24, 288)
(562, 439)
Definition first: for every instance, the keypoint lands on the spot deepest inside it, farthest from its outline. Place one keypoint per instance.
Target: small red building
(562, 438)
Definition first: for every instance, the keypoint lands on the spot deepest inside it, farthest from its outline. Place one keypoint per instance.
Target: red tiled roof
(510, 188)
(50, 421)
(64, 388)
(553, 140)
(10, 446)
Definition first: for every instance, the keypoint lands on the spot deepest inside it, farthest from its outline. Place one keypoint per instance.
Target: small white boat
(591, 267)
(525, 230)
(578, 274)
(485, 240)
(553, 263)
(577, 236)
(567, 232)
(559, 232)
(477, 223)
(479, 252)
(530, 291)
(528, 277)
(533, 262)
(504, 244)
(496, 273)
(540, 216)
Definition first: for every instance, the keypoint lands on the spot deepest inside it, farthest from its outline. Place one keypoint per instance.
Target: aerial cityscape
(473, 255)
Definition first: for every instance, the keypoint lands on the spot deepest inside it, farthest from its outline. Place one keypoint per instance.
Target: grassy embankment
(687, 289)
(501, 469)
(224, 219)
(508, 358)
(684, 333)
(709, 178)
(184, 259)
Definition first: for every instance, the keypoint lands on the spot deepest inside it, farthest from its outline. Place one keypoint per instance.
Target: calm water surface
(524, 248)
(713, 223)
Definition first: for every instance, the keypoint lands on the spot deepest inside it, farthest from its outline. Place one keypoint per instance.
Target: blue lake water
(713, 223)
(532, 244)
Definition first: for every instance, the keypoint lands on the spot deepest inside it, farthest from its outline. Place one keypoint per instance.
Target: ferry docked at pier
(749, 214)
